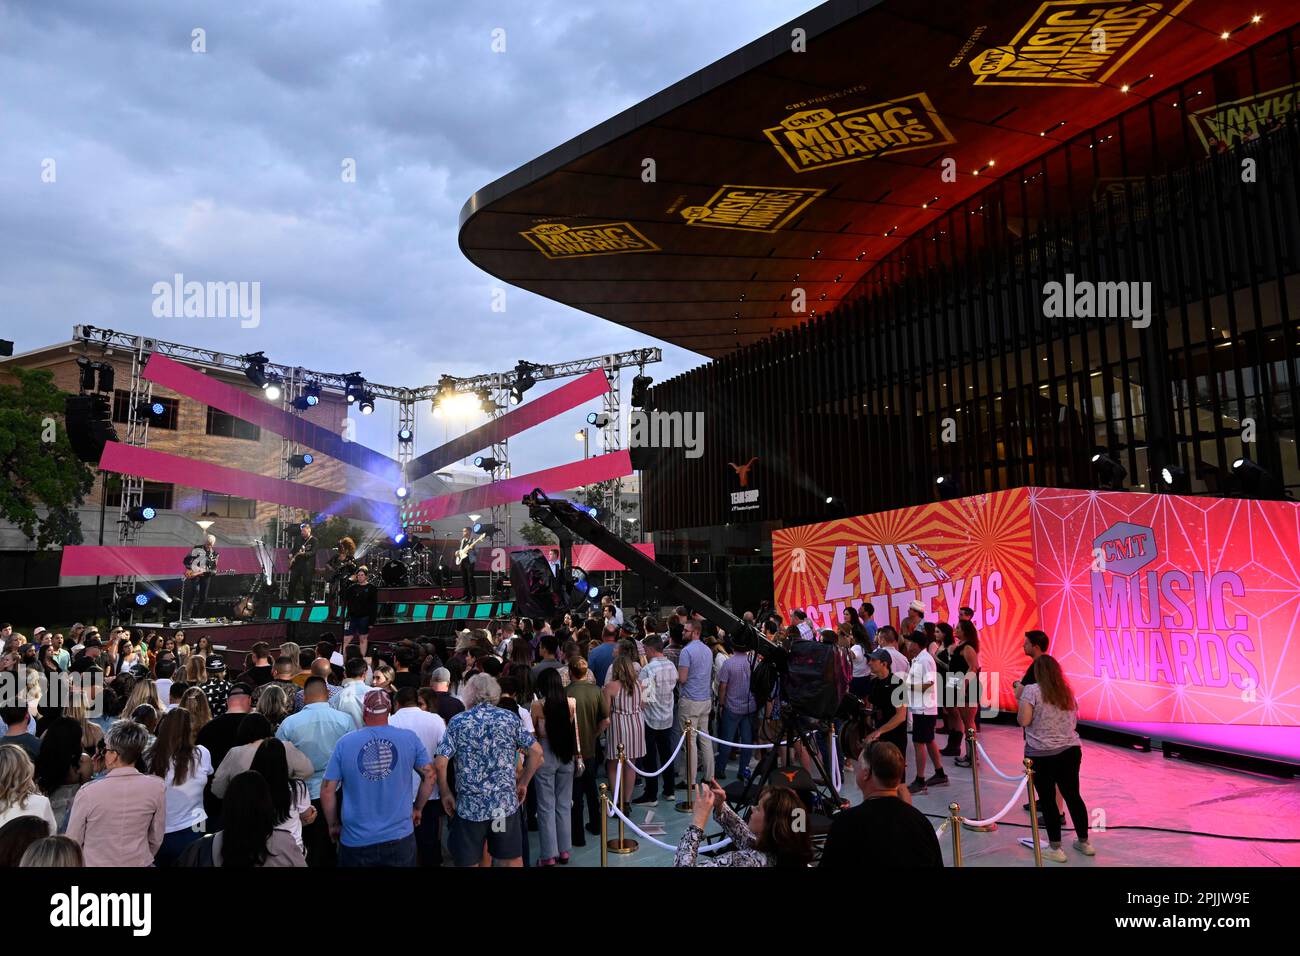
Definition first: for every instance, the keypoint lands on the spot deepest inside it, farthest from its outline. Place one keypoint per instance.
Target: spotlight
(399, 537)
(523, 381)
(486, 463)
(272, 389)
(142, 513)
(485, 402)
(948, 487)
(301, 461)
(599, 419)
(591, 511)
(1110, 473)
(1256, 481)
(487, 529)
(402, 491)
(593, 592)
(136, 601)
(87, 368)
(151, 409)
(640, 386)
(311, 391)
(405, 435)
(304, 402)
(1173, 479)
(835, 507)
(255, 369)
(354, 387)
(366, 403)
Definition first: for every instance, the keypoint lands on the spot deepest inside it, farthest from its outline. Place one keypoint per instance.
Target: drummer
(362, 601)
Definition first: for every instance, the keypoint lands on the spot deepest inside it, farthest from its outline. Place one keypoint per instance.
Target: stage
(1148, 804)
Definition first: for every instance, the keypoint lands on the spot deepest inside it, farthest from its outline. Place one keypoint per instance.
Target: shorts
(358, 626)
(923, 728)
(504, 838)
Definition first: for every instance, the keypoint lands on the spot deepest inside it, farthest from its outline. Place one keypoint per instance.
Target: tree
(39, 468)
(535, 534)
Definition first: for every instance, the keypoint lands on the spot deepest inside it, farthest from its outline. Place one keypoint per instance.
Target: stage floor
(1133, 789)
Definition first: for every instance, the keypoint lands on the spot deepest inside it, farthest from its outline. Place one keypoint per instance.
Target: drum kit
(409, 567)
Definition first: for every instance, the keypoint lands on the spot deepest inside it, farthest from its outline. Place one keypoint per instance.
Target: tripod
(794, 729)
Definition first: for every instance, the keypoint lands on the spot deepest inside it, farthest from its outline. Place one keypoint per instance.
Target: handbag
(579, 765)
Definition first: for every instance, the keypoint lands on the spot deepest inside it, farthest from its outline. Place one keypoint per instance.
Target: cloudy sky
(227, 165)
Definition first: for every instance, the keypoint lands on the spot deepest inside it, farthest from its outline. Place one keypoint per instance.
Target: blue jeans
(393, 853)
(554, 784)
(737, 727)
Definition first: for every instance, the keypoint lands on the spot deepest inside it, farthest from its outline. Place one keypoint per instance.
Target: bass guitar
(470, 545)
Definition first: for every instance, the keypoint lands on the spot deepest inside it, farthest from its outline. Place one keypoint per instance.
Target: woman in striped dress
(626, 726)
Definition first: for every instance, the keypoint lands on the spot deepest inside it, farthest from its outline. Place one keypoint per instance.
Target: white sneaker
(1053, 853)
(1085, 847)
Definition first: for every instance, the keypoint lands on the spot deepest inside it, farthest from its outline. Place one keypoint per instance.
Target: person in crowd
(261, 671)
(867, 618)
(216, 687)
(548, 648)
(62, 767)
(322, 668)
(57, 852)
(61, 655)
(947, 642)
(555, 719)
(430, 728)
(884, 833)
(737, 711)
(592, 714)
(18, 835)
(622, 693)
(485, 742)
(1049, 713)
(196, 671)
(16, 721)
(196, 703)
(272, 703)
(350, 697)
(250, 837)
(966, 614)
(19, 794)
(658, 680)
(887, 701)
(185, 769)
(164, 670)
(76, 708)
(775, 836)
(965, 661)
(1035, 646)
(219, 734)
(887, 638)
(289, 795)
(373, 766)
(254, 730)
(695, 677)
(923, 707)
(602, 656)
(315, 731)
(801, 623)
(406, 660)
(443, 702)
(144, 691)
(859, 652)
(120, 818)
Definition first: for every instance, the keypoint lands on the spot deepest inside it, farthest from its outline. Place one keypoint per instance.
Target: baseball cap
(880, 654)
(917, 606)
(239, 689)
(216, 663)
(376, 702)
(440, 675)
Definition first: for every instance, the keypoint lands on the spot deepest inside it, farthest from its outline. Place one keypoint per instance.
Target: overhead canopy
(776, 170)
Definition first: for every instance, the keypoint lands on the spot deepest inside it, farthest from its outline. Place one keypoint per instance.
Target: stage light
(523, 381)
(402, 491)
(255, 369)
(640, 386)
(354, 387)
(141, 513)
(405, 435)
(1110, 473)
(485, 403)
(105, 376)
(311, 392)
(487, 529)
(591, 511)
(151, 409)
(366, 403)
(593, 592)
(948, 487)
(87, 368)
(1256, 481)
(205, 524)
(303, 402)
(1173, 479)
(399, 537)
(486, 463)
(272, 389)
(301, 461)
(580, 435)
(599, 419)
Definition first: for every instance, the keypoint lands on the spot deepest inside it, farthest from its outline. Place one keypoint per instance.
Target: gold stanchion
(954, 824)
(1033, 813)
(688, 731)
(972, 749)
(604, 825)
(622, 845)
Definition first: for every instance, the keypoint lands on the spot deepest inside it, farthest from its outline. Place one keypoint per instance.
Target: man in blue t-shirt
(601, 657)
(695, 675)
(373, 768)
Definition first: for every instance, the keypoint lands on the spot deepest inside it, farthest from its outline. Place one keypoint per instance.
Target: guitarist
(466, 553)
(200, 565)
(302, 567)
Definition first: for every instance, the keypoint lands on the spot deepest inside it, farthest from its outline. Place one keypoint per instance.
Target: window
(121, 406)
(228, 426)
(156, 494)
(228, 506)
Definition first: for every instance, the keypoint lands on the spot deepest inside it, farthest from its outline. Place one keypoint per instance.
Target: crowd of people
(165, 752)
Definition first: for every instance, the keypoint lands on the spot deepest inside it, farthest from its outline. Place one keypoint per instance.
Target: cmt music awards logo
(558, 241)
(820, 138)
(747, 499)
(1072, 44)
(751, 208)
(1239, 120)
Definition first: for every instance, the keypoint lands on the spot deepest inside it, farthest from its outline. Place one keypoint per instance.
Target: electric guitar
(470, 545)
(201, 564)
(247, 605)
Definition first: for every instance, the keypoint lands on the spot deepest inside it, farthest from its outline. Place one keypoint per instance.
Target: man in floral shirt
(486, 741)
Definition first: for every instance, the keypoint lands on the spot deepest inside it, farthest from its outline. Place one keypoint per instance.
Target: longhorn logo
(742, 471)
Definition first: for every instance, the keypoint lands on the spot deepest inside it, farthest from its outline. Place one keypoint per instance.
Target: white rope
(660, 843)
(942, 827)
(618, 782)
(994, 767)
(837, 777)
(681, 742)
(1015, 798)
(729, 743)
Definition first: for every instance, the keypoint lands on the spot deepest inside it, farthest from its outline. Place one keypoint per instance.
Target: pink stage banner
(111, 560)
(592, 385)
(512, 490)
(251, 408)
(160, 466)
(585, 556)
